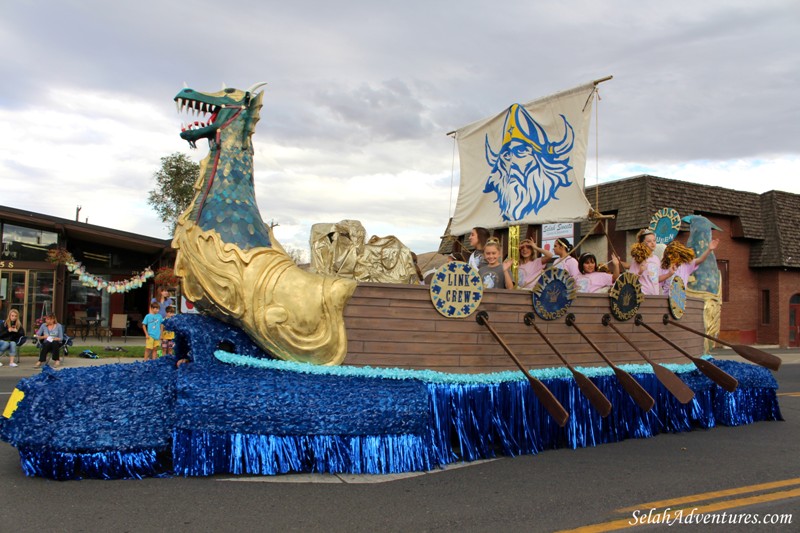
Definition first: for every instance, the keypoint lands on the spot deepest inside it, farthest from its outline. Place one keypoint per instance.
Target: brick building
(758, 256)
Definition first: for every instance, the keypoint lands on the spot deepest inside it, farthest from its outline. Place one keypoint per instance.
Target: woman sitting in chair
(10, 333)
(51, 336)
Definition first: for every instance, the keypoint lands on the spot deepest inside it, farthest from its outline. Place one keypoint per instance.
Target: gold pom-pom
(676, 253)
(640, 252)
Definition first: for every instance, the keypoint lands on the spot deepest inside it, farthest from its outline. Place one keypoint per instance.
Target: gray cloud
(359, 90)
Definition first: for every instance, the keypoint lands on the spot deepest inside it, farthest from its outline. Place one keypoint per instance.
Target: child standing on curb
(152, 332)
(168, 337)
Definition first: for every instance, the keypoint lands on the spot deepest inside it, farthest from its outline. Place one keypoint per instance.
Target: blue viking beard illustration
(528, 169)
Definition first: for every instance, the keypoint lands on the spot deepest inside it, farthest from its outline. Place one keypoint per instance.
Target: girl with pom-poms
(679, 260)
(645, 263)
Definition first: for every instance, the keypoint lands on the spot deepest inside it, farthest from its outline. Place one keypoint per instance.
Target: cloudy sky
(361, 95)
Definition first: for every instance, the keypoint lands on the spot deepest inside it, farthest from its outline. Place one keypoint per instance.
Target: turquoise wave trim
(433, 376)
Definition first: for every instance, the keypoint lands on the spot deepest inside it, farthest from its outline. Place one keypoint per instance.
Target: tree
(174, 187)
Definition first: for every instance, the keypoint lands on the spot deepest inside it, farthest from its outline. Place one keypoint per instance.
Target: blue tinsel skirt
(244, 413)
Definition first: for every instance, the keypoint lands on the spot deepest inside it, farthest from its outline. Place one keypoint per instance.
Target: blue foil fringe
(246, 413)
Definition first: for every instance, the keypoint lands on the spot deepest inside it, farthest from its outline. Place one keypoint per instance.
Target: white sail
(526, 164)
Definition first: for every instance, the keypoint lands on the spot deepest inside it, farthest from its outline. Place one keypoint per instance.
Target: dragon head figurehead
(220, 110)
(229, 262)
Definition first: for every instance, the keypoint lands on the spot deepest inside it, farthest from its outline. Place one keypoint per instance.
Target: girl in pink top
(679, 260)
(530, 268)
(645, 263)
(592, 280)
(562, 248)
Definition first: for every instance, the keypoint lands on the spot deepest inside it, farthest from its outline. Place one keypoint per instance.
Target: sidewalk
(26, 368)
(789, 355)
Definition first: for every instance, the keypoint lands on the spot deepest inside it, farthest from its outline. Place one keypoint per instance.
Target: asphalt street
(741, 471)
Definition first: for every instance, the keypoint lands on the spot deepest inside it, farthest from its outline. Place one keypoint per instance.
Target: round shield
(553, 293)
(625, 296)
(456, 289)
(677, 297)
(665, 224)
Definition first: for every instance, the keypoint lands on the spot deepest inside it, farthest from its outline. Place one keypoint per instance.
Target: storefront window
(12, 292)
(86, 299)
(26, 244)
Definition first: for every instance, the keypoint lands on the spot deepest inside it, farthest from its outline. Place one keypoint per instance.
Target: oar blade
(592, 393)
(634, 389)
(673, 383)
(716, 374)
(759, 357)
(550, 402)
(553, 406)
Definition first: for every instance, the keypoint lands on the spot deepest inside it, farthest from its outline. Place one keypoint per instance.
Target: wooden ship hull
(392, 325)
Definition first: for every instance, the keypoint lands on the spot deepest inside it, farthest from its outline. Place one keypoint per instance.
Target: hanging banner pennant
(525, 165)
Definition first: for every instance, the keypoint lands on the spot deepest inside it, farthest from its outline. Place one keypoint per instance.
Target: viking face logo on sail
(528, 169)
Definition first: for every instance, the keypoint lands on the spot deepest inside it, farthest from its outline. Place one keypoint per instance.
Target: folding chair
(80, 323)
(119, 322)
(65, 344)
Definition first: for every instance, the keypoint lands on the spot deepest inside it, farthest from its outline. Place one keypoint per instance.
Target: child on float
(565, 261)
(477, 239)
(495, 275)
(530, 267)
(591, 278)
(645, 263)
(151, 324)
(10, 333)
(679, 260)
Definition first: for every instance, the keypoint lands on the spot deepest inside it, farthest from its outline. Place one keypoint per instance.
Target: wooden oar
(586, 385)
(754, 355)
(667, 377)
(550, 402)
(631, 386)
(712, 371)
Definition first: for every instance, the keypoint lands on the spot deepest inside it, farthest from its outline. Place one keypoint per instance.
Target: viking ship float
(297, 371)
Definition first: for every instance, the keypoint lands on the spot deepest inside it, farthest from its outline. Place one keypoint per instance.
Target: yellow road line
(673, 514)
(704, 496)
(792, 394)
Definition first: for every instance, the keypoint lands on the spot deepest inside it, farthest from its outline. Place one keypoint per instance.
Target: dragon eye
(230, 90)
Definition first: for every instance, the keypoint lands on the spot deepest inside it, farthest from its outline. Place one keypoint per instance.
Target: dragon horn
(185, 86)
(255, 87)
(224, 86)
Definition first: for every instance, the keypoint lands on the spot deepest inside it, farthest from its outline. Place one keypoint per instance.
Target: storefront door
(28, 291)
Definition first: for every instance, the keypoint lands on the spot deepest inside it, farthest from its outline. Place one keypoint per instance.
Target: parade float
(293, 371)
